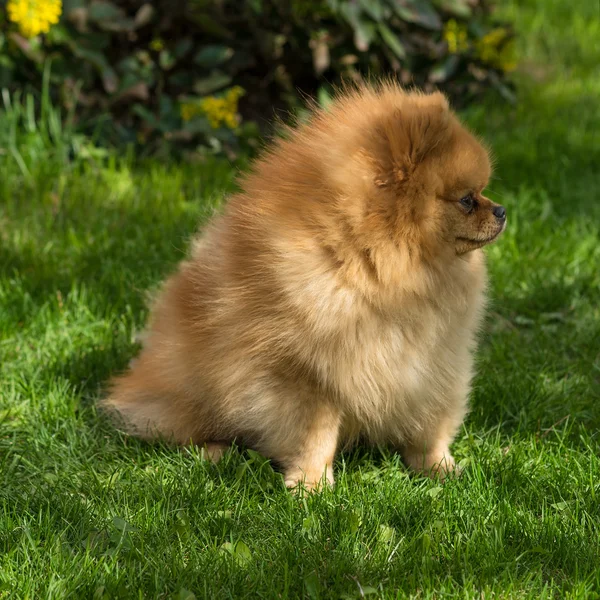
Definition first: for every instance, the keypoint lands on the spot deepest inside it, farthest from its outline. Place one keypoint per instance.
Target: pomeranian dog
(336, 297)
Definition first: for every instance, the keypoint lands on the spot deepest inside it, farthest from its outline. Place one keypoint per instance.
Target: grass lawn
(86, 512)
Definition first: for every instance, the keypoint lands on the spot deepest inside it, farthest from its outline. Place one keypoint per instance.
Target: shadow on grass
(539, 364)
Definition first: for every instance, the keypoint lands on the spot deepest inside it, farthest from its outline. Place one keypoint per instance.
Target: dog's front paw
(433, 464)
(311, 480)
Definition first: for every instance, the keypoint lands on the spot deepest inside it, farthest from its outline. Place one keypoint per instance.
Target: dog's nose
(499, 212)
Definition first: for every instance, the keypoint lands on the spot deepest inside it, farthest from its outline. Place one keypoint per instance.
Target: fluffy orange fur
(336, 297)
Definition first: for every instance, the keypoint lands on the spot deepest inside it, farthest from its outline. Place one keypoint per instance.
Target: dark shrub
(174, 71)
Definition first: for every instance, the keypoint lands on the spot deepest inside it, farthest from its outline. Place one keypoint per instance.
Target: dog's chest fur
(392, 373)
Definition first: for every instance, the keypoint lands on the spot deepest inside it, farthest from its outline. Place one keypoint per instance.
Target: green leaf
(128, 65)
(58, 35)
(242, 553)
(368, 590)
(324, 97)
(350, 11)
(145, 114)
(27, 47)
(184, 79)
(426, 542)
(209, 25)
(102, 10)
(439, 525)
(108, 16)
(364, 31)
(435, 491)
(239, 551)
(97, 59)
(186, 595)
(364, 34)
(122, 525)
(311, 584)
(459, 8)
(212, 55)
(310, 524)
(166, 60)
(445, 69)
(117, 25)
(6, 62)
(256, 6)
(392, 41)
(212, 83)
(354, 522)
(182, 47)
(183, 517)
(182, 529)
(503, 89)
(69, 5)
(373, 8)
(241, 470)
(200, 125)
(166, 106)
(553, 316)
(420, 12)
(144, 15)
(524, 321)
(255, 457)
(128, 80)
(134, 91)
(386, 533)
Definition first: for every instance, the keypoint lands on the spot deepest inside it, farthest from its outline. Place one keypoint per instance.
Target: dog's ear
(403, 139)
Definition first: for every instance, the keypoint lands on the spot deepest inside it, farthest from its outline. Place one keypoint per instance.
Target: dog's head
(426, 174)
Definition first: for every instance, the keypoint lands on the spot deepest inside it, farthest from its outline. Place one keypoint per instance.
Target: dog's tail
(147, 402)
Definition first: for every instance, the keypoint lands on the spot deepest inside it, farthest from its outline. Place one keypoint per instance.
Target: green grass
(85, 512)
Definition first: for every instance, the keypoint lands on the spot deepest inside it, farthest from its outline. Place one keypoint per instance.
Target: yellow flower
(496, 50)
(157, 45)
(223, 110)
(455, 35)
(507, 58)
(188, 110)
(219, 110)
(34, 16)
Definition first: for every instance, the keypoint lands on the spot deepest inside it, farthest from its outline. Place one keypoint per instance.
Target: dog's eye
(468, 202)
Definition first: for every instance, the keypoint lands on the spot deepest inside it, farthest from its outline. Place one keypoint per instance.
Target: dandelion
(455, 35)
(34, 16)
